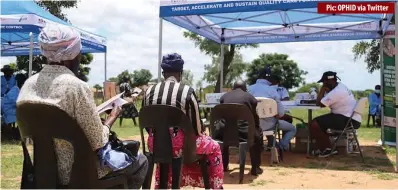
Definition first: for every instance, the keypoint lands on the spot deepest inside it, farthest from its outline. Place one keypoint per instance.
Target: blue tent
(273, 21)
(20, 18)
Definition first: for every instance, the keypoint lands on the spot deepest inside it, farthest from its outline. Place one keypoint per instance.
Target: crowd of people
(58, 85)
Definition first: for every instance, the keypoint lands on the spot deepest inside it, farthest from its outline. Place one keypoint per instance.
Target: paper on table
(116, 100)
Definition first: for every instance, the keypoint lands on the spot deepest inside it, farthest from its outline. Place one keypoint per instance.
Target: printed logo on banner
(365, 26)
(178, 1)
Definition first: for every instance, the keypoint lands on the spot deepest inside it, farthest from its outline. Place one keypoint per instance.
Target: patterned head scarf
(172, 63)
(59, 43)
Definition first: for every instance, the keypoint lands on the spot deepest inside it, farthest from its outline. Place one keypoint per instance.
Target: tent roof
(20, 17)
(268, 21)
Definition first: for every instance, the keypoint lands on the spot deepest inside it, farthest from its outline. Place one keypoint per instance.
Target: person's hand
(115, 111)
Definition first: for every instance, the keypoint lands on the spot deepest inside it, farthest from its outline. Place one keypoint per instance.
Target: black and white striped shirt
(172, 93)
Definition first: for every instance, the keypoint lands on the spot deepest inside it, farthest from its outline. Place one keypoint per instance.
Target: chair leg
(148, 179)
(242, 160)
(280, 151)
(164, 176)
(359, 146)
(176, 173)
(205, 173)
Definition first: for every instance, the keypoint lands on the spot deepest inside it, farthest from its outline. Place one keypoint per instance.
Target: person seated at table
(57, 84)
(173, 93)
(374, 106)
(239, 95)
(341, 102)
(283, 93)
(263, 88)
(128, 110)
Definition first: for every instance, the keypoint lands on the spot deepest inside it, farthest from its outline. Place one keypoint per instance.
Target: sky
(132, 30)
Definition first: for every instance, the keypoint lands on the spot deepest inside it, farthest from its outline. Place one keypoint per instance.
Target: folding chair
(349, 128)
(268, 108)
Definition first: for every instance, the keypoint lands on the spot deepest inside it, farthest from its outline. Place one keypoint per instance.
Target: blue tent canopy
(271, 21)
(20, 18)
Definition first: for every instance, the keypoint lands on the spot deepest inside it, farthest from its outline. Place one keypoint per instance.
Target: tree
(120, 77)
(113, 79)
(141, 77)
(98, 87)
(187, 77)
(370, 50)
(213, 49)
(307, 87)
(55, 8)
(237, 67)
(291, 74)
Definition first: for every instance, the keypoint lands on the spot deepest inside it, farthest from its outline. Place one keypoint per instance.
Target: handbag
(130, 147)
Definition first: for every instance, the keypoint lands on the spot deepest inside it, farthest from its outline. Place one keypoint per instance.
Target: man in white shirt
(282, 91)
(341, 102)
(263, 88)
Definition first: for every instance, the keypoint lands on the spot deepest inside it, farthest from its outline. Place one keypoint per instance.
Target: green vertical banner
(389, 90)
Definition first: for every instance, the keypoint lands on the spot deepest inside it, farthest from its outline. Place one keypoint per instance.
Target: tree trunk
(228, 57)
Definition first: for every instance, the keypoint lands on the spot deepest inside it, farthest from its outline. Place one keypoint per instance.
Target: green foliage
(120, 77)
(237, 67)
(113, 79)
(362, 93)
(56, 7)
(291, 74)
(213, 49)
(307, 87)
(141, 77)
(370, 51)
(187, 77)
(98, 87)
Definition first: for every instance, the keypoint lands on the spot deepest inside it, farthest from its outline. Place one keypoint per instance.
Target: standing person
(341, 102)
(375, 106)
(171, 92)
(263, 88)
(57, 84)
(239, 95)
(128, 110)
(7, 80)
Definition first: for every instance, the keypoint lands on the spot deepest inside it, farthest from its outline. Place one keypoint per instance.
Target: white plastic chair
(360, 108)
(268, 108)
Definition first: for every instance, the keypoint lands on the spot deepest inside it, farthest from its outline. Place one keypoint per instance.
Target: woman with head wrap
(128, 110)
(7, 80)
(172, 92)
(57, 84)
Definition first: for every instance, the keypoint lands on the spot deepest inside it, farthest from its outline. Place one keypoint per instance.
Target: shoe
(316, 152)
(327, 152)
(256, 171)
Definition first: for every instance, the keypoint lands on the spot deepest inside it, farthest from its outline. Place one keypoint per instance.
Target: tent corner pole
(160, 48)
(396, 82)
(105, 72)
(222, 60)
(382, 88)
(30, 54)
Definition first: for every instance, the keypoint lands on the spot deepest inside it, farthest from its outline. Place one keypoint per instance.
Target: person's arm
(254, 103)
(88, 119)
(331, 98)
(321, 94)
(281, 108)
(193, 113)
(285, 94)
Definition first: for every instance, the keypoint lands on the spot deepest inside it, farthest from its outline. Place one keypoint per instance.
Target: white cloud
(131, 28)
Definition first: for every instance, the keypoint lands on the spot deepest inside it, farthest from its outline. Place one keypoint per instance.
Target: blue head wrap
(172, 63)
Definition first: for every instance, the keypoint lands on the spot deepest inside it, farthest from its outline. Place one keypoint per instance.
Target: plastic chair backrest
(266, 107)
(161, 118)
(231, 113)
(43, 123)
(360, 107)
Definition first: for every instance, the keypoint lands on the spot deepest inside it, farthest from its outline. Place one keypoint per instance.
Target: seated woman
(171, 92)
(128, 110)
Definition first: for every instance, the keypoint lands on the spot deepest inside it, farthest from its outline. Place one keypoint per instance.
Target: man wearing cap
(57, 84)
(341, 102)
(239, 95)
(173, 93)
(263, 88)
(7, 80)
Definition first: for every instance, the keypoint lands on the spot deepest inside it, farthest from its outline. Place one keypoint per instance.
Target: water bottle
(350, 145)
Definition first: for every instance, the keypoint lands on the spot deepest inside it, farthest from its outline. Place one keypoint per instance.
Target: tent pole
(105, 68)
(160, 47)
(222, 61)
(30, 54)
(396, 82)
(382, 89)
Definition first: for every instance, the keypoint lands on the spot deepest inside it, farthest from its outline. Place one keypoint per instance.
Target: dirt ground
(300, 171)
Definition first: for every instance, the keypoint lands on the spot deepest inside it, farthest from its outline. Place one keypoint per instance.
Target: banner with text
(389, 90)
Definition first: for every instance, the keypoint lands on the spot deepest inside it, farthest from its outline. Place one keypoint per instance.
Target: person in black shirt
(239, 95)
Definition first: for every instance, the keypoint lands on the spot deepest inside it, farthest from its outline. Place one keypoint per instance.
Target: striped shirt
(172, 93)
